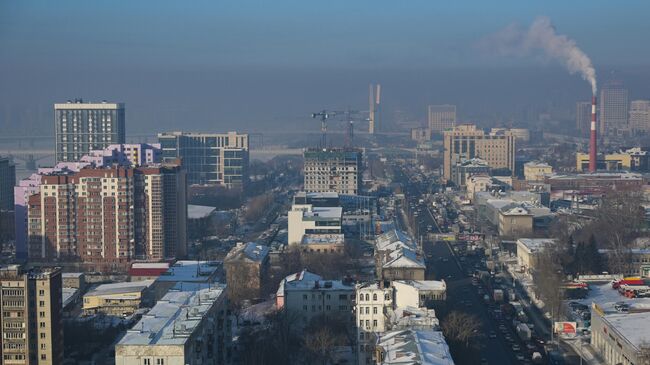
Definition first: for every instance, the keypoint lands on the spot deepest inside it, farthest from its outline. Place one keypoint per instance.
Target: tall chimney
(592, 139)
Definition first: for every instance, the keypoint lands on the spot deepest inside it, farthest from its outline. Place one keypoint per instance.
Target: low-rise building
(373, 309)
(633, 159)
(418, 293)
(184, 327)
(461, 171)
(117, 299)
(247, 266)
(536, 171)
(188, 273)
(528, 250)
(422, 347)
(397, 257)
(515, 221)
(619, 337)
(322, 243)
(309, 219)
(309, 296)
(75, 280)
(147, 270)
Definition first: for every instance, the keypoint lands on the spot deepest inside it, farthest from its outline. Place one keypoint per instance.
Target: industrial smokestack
(593, 149)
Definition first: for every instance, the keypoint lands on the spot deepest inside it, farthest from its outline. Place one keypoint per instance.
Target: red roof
(146, 271)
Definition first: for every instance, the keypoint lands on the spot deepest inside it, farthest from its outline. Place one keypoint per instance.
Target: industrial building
(333, 170)
(210, 159)
(186, 327)
(32, 316)
(465, 142)
(81, 127)
(632, 159)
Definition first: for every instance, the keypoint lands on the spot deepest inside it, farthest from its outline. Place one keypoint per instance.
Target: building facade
(333, 170)
(308, 296)
(184, 327)
(306, 219)
(614, 106)
(466, 142)
(7, 182)
(441, 117)
(247, 266)
(219, 159)
(536, 171)
(32, 316)
(640, 116)
(583, 117)
(108, 217)
(373, 306)
(81, 127)
(633, 159)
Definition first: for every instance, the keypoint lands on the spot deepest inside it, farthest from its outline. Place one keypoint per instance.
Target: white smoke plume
(541, 35)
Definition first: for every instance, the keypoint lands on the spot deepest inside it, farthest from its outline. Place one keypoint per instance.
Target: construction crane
(324, 115)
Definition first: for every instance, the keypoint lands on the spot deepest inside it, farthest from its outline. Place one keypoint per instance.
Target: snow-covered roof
(404, 257)
(191, 271)
(415, 347)
(199, 211)
(120, 288)
(414, 318)
(68, 295)
(632, 326)
(393, 240)
(425, 285)
(535, 244)
(174, 317)
(306, 280)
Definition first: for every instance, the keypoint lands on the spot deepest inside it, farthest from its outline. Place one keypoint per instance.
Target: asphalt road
(442, 265)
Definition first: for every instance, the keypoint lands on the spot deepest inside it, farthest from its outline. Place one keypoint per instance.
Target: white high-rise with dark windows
(81, 127)
(614, 106)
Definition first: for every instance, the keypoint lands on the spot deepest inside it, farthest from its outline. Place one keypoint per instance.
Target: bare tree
(460, 327)
(548, 279)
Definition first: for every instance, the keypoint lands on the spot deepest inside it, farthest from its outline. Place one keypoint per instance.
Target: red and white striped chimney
(592, 139)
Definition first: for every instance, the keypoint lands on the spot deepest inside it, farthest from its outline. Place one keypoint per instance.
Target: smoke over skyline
(542, 36)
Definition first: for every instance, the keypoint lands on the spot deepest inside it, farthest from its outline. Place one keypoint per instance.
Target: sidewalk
(589, 355)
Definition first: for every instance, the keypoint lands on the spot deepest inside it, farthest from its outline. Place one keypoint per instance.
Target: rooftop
(425, 284)
(173, 319)
(120, 288)
(323, 239)
(632, 326)
(306, 280)
(199, 211)
(249, 251)
(415, 347)
(191, 271)
(536, 244)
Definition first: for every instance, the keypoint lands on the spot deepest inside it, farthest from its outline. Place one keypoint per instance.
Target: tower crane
(324, 115)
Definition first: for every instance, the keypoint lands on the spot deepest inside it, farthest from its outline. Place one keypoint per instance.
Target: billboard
(473, 237)
(565, 328)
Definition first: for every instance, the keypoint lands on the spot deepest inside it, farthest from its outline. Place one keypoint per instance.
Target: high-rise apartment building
(125, 155)
(209, 159)
(614, 106)
(640, 116)
(108, 217)
(442, 117)
(465, 142)
(81, 127)
(32, 316)
(333, 170)
(583, 117)
(7, 182)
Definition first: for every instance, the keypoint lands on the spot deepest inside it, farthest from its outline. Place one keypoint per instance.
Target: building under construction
(333, 170)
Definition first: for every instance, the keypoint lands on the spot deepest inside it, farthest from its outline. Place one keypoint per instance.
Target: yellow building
(633, 159)
(465, 142)
(535, 171)
(118, 299)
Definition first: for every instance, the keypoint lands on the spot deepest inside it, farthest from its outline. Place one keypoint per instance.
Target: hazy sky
(214, 65)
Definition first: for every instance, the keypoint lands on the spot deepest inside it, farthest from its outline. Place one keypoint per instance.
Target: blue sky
(208, 60)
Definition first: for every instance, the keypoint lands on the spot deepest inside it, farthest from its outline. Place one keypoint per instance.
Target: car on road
(519, 356)
(484, 361)
(516, 347)
(492, 334)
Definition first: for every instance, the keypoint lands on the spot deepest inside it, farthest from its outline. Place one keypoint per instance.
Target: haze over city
(332, 183)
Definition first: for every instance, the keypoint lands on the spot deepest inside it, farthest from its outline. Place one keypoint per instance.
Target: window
(41, 292)
(43, 357)
(42, 335)
(304, 297)
(374, 323)
(146, 362)
(374, 296)
(160, 362)
(41, 325)
(368, 297)
(361, 335)
(367, 310)
(374, 310)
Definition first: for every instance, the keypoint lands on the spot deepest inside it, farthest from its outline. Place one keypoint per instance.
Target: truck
(523, 332)
(498, 295)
